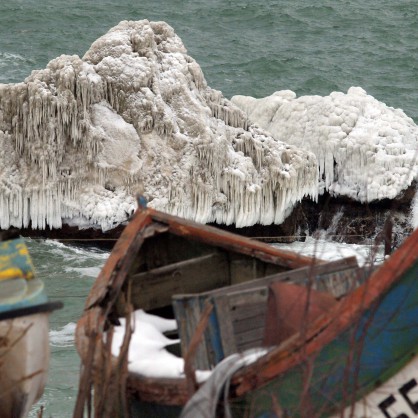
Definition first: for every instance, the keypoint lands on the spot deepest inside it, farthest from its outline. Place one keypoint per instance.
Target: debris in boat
(204, 403)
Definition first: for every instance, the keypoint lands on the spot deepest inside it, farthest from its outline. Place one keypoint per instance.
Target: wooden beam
(155, 288)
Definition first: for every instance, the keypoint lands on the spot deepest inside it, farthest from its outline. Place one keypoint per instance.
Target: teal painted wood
(372, 349)
(18, 287)
(15, 261)
(187, 310)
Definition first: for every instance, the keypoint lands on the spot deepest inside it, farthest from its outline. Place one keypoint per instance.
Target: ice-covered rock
(365, 149)
(81, 137)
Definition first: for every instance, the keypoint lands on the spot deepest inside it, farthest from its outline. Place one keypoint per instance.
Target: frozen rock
(81, 137)
(365, 149)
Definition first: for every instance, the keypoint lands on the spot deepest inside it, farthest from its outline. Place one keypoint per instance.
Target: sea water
(244, 47)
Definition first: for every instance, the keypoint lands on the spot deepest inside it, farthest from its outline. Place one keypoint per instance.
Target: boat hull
(397, 397)
(24, 358)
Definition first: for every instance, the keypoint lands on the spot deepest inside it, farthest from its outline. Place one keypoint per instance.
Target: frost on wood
(80, 138)
(365, 149)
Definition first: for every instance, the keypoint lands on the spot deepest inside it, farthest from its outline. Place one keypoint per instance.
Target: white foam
(63, 337)
(330, 250)
(414, 219)
(71, 252)
(84, 271)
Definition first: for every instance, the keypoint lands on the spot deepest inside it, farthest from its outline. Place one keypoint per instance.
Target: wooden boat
(24, 342)
(212, 281)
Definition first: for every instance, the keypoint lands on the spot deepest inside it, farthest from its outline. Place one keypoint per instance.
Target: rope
(258, 238)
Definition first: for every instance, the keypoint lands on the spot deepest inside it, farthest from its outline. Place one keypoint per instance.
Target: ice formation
(365, 149)
(81, 137)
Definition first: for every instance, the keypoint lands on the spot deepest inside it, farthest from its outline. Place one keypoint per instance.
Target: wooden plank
(229, 306)
(254, 322)
(223, 309)
(246, 297)
(232, 242)
(166, 248)
(249, 312)
(299, 276)
(342, 282)
(188, 312)
(253, 336)
(244, 268)
(248, 316)
(154, 288)
(168, 269)
(241, 308)
(306, 274)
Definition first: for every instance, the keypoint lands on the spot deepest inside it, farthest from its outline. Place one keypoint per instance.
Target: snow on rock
(365, 149)
(81, 137)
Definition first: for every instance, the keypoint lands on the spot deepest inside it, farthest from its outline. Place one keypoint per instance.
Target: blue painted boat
(24, 326)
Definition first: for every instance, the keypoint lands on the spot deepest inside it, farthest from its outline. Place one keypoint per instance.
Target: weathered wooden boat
(217, 286)
(24, 326)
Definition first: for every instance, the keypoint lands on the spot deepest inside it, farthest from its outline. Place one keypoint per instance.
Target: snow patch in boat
(147, 353)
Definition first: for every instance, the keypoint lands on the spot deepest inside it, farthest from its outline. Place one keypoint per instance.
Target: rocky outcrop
(80, 138)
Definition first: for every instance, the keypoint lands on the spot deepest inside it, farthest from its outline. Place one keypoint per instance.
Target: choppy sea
(244, 47)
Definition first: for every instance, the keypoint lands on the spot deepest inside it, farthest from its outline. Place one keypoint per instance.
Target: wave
(70, 252)
(9, 57)
(12, 65)
(63, 337)
(330, 250)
